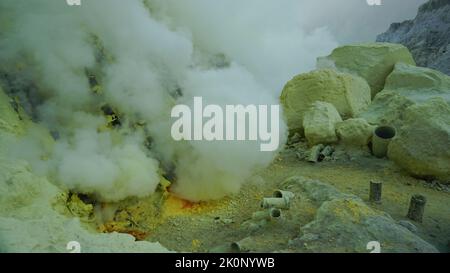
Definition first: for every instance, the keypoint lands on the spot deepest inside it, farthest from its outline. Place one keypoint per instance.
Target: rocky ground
(330, 212)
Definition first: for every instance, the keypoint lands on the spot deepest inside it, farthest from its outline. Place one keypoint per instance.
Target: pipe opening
(275, 213)
(277, 194)
(385, 132)
(235, 248)
(283, 194)
(420, 199)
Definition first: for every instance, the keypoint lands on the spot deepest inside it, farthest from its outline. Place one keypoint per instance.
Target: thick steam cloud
(141, 58)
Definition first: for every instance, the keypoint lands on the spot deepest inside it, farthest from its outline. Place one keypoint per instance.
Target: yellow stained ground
(184, 226)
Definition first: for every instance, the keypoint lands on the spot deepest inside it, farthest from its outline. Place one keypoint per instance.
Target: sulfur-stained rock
(30, 223)
(406, 86)
(78, 208)
(408, 78)
(52, 234)
(30, 214)
(422, 144)
(349, 94)
(9, 118)
(354, 132)
(371, 61)
(387, 108)
(319, 123)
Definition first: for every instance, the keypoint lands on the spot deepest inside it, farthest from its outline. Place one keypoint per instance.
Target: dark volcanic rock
(427, 36)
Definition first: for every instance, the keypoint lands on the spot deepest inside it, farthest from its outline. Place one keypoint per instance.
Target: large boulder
(349, 94)
(354, 132)
(410, 78)
(406, 86)
(422, 144)
(344, 223)
(319, 123)
(372, 61)
(348, 225)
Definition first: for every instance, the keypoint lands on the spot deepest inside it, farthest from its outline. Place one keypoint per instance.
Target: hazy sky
(355, 20)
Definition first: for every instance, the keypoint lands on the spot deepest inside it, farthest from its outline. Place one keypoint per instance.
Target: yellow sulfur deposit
(348, 93)
(175, 206)
(78, 208)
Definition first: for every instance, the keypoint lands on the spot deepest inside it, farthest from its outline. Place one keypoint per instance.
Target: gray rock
(316, 191)
(427, 36)
(410, 226)
(309, 237)
(348, 225)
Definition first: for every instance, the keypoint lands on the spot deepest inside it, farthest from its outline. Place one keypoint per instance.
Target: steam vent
(201, 126)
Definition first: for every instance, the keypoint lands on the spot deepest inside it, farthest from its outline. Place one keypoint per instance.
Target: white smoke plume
(147, 56)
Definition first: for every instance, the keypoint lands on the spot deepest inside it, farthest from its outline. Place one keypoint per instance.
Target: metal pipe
(281, 194)
(417, 207)
(270, 214)
(315, 153)
(279, 203)
(375, 191)
(243, 245)
(380, 140)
